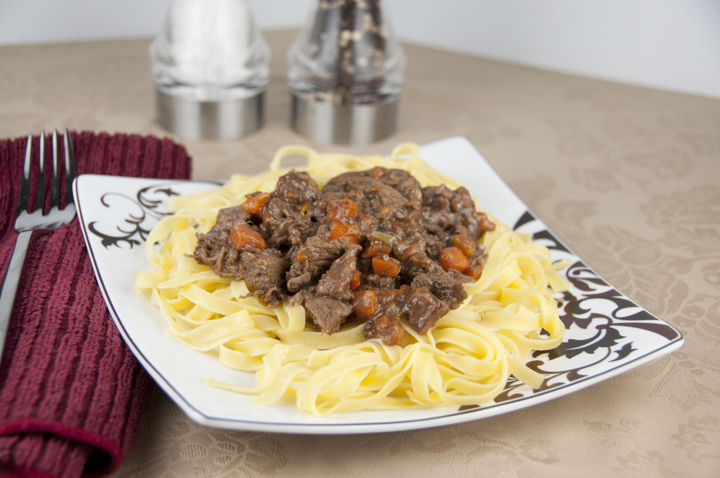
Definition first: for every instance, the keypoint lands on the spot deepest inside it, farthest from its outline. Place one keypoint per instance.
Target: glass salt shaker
(210, 65)
(346, 74)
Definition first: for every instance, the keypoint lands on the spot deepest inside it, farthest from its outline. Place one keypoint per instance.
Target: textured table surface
(629, 177)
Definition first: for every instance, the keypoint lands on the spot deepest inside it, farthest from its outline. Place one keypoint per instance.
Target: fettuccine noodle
(464, 360)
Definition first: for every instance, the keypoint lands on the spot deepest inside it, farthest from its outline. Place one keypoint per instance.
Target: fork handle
(10, 282)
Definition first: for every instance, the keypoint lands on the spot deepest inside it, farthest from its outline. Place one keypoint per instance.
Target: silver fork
(27, 221)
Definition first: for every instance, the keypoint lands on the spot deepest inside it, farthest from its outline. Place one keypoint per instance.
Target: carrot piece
(341, 208)
(366, 222)
(243, 236)
(355, 280)
(398, 333)
(465, 244)
(255, 203)
(453, 258)
(389, 330)
(365, 304)
(385, 266)
(474, 271)
(375, 248)
(406, 251)
(339, 229)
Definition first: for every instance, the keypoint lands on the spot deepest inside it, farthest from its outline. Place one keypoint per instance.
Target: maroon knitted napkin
(71, 392)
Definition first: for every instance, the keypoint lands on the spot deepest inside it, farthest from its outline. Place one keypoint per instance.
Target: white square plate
(607, 333)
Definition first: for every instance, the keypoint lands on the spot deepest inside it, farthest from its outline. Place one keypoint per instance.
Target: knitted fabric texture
(71, 392)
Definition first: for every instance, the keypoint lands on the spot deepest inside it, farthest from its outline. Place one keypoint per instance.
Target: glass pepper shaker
(210, 65)
(346, 74)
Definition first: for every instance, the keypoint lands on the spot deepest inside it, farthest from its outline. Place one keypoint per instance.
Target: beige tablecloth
(627, 176)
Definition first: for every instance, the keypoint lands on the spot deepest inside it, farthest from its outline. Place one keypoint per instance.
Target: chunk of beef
(401, 181)
(417, 264)
(214, 249)
(370, 194)
(312, 259)
(446, 213)
(413, 242)
(437, 197)
(423, 309)
(484, 223)
(435, 244)
(327, 313)
(442, 286)
(297, 188)
(467, 222)
(264, 272)
(374, 281)
(335, 282)
(461, 199)
(299, 297)
(460, 277)
(282, 225)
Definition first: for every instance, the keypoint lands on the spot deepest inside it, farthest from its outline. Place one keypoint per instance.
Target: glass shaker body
(210, 66)
(346, 73)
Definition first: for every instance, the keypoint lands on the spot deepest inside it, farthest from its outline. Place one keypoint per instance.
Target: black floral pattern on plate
(602, 322)
(136, 223)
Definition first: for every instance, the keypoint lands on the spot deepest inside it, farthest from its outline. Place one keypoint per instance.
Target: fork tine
(69, 168)
(24, 194)
(55, 183)
(40, 194)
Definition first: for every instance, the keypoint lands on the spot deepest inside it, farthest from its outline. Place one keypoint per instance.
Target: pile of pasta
(465, 359)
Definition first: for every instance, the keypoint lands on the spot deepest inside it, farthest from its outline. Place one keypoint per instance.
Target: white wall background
(667, 44)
